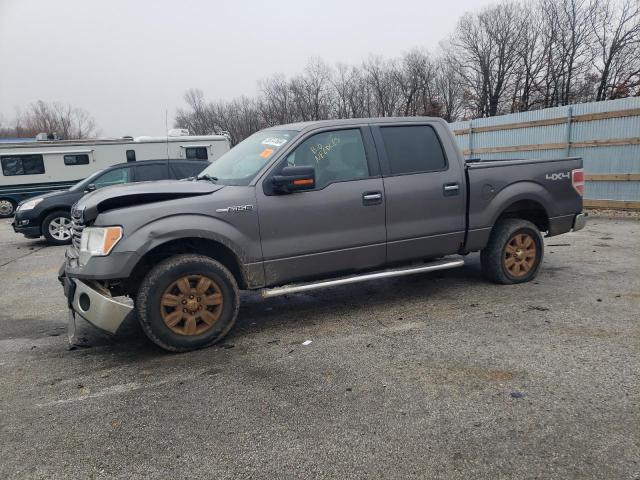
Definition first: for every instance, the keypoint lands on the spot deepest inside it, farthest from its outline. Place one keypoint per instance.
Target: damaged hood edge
(120, 196)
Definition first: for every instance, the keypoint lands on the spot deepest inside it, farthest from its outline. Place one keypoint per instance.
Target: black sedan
(50, 215)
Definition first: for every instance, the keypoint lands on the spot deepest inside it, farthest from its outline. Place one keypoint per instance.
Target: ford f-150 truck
(306, 206)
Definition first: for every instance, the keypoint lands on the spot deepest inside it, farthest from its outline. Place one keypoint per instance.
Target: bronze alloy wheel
(191, 305)
(520, 255)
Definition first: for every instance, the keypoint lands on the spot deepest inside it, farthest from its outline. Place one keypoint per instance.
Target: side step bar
(397, 272)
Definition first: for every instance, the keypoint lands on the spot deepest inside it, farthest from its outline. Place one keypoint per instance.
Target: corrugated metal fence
(605, 134)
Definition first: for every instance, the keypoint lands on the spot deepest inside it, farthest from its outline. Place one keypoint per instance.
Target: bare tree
(448, 86)
(311, 91)
(379, 75)
(66, 121)
(616, 28)
(197, 119)
(277, 100)
(567, 45)
(531, 61)
(509, 57)
(487, 45)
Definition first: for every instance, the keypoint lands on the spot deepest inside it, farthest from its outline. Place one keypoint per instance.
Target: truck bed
(494, 186)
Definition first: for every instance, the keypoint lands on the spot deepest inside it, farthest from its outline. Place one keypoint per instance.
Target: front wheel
(56, 228)
(514, 252)
(187, 302)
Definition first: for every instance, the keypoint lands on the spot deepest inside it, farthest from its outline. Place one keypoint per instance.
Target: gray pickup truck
(306, 206)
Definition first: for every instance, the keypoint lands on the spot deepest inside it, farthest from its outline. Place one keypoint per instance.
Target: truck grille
(77, 226)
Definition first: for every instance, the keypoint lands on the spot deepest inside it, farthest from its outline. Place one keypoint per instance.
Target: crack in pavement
(22, 256)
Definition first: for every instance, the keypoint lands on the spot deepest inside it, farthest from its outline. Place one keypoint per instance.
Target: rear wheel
(514, 252)
(56, 228)
(7, 207)
(187, 302)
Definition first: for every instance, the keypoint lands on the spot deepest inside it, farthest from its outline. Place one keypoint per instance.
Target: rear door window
(183, 169)
(413, 149)
(149, 173)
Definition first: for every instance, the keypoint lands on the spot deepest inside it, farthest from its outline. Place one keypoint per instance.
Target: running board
(397, 272)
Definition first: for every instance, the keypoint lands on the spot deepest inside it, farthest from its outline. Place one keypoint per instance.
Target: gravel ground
(438, 375)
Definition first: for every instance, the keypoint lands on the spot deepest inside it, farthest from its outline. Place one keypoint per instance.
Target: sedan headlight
(98, 241)
(29, 204)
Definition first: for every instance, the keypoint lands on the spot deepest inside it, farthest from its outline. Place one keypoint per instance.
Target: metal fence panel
(605, 134)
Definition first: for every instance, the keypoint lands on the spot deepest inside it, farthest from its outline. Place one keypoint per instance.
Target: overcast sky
(126, 62)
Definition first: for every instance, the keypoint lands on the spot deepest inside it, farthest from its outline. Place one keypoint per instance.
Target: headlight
(98, 241)
(30, 204)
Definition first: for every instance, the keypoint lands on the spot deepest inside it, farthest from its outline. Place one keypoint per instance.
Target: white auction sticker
(274, 141)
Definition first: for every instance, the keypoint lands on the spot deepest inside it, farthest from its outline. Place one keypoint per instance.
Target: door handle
(372, 198)
(450, 189)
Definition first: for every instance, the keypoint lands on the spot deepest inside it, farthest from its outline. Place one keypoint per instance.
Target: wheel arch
(526, 209)
(200, 245)
(52, 209)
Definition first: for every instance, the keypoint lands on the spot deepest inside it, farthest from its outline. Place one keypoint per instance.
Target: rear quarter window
(413, 149)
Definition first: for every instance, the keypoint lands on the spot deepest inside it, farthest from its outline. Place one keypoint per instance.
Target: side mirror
(90, 188)
(294, 179)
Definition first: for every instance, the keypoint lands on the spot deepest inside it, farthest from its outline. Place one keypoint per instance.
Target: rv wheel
(7, 207)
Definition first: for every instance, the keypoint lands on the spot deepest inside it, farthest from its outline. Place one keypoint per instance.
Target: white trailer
(32, 168)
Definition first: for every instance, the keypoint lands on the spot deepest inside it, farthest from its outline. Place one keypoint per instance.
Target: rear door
(424, 189)
(337, 227)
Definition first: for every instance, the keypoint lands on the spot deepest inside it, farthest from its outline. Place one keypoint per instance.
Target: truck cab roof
(312, 125)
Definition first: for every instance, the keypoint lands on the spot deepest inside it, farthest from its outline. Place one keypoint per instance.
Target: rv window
(197, 153)
(131, 155)
(22, 165)
(76, 159)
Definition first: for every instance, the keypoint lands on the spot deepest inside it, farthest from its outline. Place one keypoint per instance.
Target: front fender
(176, 227)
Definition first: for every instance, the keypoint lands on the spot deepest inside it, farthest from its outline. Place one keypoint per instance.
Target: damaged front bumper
(93, 303)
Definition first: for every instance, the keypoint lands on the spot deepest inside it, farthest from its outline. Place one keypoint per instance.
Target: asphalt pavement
(440, 375)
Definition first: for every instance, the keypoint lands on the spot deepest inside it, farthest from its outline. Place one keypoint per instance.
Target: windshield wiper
(207, 177)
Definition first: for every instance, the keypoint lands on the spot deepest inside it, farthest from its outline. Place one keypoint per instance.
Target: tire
(179, 316)
(56, 228)
(7, 207)
(514, 252)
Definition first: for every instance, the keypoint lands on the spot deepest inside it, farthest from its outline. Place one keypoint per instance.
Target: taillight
(577, 180)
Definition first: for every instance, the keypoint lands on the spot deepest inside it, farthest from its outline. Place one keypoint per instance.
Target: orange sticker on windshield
(266, 153)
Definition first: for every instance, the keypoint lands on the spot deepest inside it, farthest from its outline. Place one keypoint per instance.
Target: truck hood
(119, 196)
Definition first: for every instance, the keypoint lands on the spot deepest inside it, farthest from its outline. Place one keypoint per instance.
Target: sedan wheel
(60, 229)
(56, 228)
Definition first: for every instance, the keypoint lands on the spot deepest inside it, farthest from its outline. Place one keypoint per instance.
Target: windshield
(81, 185)
(241, 164)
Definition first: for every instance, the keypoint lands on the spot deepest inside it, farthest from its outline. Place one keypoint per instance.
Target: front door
(339, 226)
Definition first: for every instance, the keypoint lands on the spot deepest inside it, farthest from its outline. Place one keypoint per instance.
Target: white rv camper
(32, 168)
